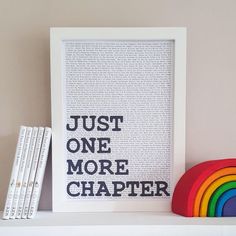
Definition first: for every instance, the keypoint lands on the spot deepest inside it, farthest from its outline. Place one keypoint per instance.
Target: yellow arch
(220, 173)
(210, 190)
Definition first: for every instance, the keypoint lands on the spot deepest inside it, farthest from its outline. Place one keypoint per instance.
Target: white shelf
(112, 224)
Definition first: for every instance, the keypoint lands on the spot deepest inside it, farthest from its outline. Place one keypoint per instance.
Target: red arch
(188, 185)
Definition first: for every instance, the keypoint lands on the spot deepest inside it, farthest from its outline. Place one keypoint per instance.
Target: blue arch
(222, 200)
(230, 207)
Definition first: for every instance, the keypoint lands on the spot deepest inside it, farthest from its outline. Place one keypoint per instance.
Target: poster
(117, 127)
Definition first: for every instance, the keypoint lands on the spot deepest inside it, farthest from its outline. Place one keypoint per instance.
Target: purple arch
(230, 207)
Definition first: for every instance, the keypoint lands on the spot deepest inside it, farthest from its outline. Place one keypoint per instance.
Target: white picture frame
(57, 35)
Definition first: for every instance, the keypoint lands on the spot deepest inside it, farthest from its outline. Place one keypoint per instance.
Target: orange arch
(210, 190)
(206, 183)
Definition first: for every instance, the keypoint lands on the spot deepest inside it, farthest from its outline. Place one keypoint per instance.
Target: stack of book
(27, 173)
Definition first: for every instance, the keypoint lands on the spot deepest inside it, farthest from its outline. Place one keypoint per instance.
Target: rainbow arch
(207, 189)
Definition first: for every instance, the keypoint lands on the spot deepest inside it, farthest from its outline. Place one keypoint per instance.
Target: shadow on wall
(7, 147)
(46, 194)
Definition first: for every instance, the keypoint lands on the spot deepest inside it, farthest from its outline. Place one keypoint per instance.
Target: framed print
(118, 117)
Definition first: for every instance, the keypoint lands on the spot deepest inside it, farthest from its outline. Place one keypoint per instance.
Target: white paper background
(133, 79)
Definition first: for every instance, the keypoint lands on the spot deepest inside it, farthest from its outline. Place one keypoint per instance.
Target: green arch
(215, 196)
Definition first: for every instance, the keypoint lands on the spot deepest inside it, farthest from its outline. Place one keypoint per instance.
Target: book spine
(40, 173)
(32, 172)
(26, 173)
(21, 173)
(14, 173)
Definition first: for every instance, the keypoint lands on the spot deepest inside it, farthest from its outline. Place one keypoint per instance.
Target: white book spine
(21, 173)
(26, 173)
(14, 173)
(40, 173)
(32, 172)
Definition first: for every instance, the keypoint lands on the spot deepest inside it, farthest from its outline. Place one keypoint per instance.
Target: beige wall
(211, 67)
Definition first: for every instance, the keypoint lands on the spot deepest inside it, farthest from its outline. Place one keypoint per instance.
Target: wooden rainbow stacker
(207, 189)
